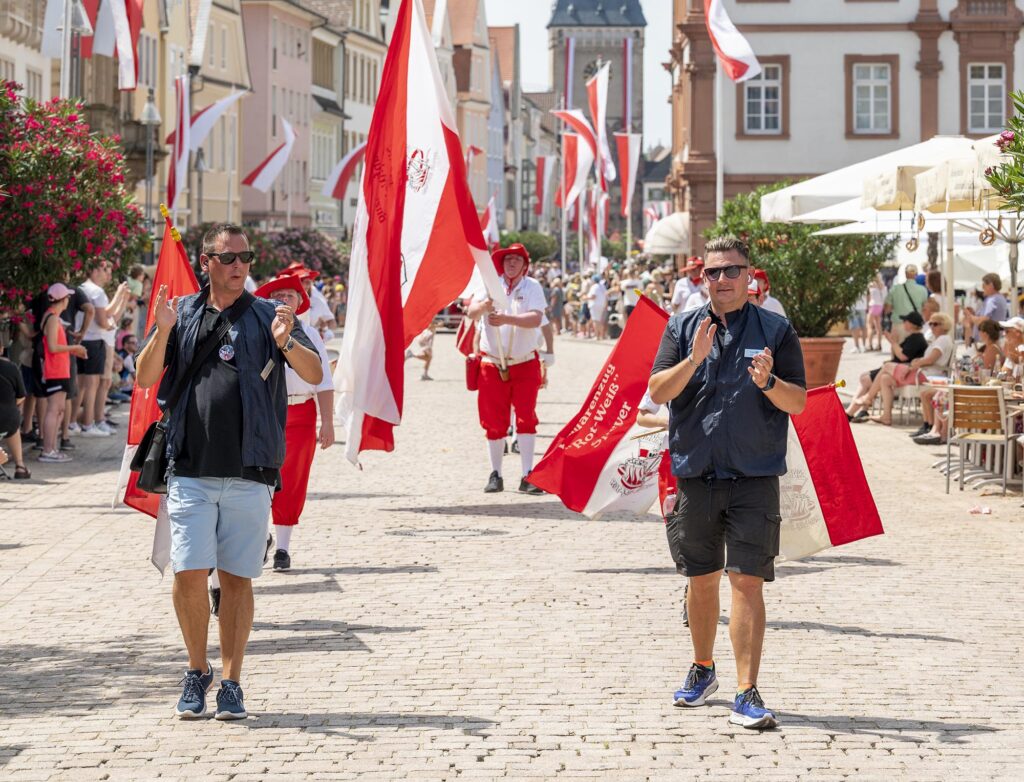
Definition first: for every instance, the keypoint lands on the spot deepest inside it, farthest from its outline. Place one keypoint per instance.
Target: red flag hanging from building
(489, 224)
(578, 157)
(177, 176)
(173, 270)
(629, 162)
(734, 51)
(127, 16)
(416, 240)
(336, 184)
(202, 122)
(597, 99)
(545, 171)
(263, 176)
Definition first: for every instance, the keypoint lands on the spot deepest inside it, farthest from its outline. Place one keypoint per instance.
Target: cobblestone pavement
(429, 631)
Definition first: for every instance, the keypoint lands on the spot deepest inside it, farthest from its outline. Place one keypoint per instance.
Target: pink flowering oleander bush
(313, 248)
(64, 204)
(1007, 178)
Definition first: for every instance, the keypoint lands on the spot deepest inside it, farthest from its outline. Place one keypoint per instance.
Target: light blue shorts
(218, 522)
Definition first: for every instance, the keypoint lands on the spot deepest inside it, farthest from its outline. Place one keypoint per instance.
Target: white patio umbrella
(848, 182)
(669, 236)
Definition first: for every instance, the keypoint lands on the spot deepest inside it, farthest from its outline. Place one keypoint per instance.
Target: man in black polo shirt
(732, 374)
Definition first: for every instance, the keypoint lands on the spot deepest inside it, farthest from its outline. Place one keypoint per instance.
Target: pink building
(279, 46)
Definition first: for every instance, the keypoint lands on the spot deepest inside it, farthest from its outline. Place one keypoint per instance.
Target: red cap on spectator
(290, 281)
(761, 274)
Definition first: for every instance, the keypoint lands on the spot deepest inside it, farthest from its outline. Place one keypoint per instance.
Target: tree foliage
(313, 248)
(64, 205)
(1007, 179)
(817, 278)
(539, 246)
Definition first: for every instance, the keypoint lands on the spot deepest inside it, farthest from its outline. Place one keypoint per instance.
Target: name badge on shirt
(751, 352)
(267, 370)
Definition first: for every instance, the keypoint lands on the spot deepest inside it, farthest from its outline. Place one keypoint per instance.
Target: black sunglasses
(229, 258)
(732, 271)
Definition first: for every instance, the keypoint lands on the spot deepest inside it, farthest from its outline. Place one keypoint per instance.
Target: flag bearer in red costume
(510, 375)
(301, 436)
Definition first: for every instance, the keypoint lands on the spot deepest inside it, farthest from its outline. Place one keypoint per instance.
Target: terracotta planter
(821, 359)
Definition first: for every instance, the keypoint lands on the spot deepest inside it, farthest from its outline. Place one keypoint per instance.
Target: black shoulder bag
(150, 459)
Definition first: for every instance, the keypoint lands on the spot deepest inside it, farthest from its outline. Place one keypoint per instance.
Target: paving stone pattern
(431, 632)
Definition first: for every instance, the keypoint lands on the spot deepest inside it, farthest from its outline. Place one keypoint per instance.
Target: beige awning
(669, 236)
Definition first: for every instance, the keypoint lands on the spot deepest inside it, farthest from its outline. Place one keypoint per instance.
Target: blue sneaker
(749, 712)
(192, 703)
(700, 683)
(229, 701)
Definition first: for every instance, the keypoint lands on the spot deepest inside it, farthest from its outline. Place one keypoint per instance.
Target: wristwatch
(770, 384)
(288, 345)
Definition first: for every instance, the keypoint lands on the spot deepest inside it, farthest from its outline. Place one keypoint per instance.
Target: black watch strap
(771, 383)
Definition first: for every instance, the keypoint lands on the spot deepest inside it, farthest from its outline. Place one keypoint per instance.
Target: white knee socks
(527, 442)
(496, 449)
(283, 533)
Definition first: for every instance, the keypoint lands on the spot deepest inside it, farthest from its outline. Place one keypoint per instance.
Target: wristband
(696, 365)
(770, 384)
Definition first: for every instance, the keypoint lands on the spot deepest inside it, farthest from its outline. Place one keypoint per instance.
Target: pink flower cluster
(1005, 139)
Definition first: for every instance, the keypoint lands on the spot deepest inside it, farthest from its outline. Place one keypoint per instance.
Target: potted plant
(817, 278)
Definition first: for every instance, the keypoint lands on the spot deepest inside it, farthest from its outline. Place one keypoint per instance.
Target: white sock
(496, 449)
(527, 442)
(214, 580)
(283, 533)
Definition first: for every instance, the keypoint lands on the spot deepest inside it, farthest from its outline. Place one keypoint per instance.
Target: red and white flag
(650, 215)
(734, 52)
(629, 163)
(417, 237)
(127, 24)
(597, 98)
(824, 506)
(173, 270)
(489, 224)
(578, 157)
(578, 124)
(601, 462)
(337, 181)
(177, 176)
(203, 121)
(593, 465)
(471, 152)
(263, 176)
(545, 171)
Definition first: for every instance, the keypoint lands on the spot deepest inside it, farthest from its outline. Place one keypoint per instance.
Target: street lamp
(201, 168)
(149, 120)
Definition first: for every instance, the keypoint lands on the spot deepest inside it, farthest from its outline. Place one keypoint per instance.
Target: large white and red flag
(203, 121)
(336, 184)
(127, 18)
(597, 98)
(601, 462)
(173, 270)
(824, 506)
(629, 162)
(545, 171)
(263, 176)
(489, 224)
(594, 465)
(734, 51)
(417, 237)
(177, 176)
(577, 158)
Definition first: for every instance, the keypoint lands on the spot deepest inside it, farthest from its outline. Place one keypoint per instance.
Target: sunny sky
(532, 17)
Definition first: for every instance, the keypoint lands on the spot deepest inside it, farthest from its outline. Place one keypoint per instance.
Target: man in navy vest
(225, 441)
(732, 373)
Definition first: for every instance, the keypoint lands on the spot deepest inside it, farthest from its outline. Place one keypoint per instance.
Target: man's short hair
(994, 280)
(216, 231)
(910, 271)
(724, 244)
